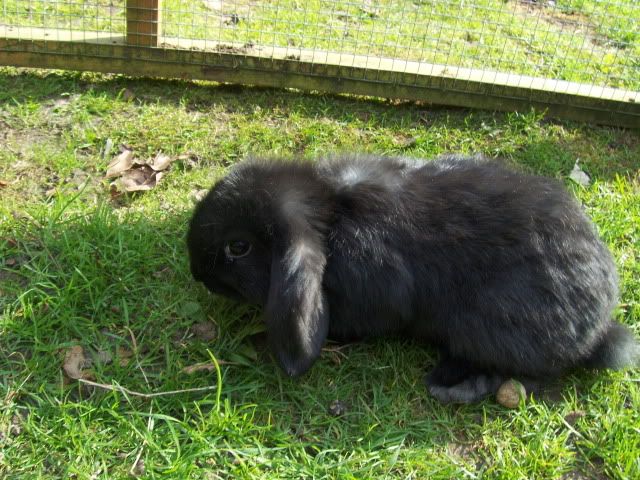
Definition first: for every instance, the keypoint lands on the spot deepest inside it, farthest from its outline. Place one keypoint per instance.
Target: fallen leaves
(120, 164)
(161, 162)
(131, 174)
(205, 366)
(198, 367)
(139, 179)
(77, 363)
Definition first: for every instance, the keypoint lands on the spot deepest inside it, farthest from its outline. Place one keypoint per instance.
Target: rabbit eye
(237, 249)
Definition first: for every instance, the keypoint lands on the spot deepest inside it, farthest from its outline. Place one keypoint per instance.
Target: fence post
(143, 22)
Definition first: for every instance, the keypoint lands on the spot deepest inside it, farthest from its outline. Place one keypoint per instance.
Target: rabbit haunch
(501, 270)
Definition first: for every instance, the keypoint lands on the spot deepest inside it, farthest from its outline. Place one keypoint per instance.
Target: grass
(589, 41)
(78, 267)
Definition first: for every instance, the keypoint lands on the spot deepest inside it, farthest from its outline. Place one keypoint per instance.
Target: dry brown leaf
(74, 362)
(103, 356)
(138, 179)
(135, 175)
(3, 183)
(205, 331)
(161, 162)
(120, 164)
(124, 355)
(198, 367)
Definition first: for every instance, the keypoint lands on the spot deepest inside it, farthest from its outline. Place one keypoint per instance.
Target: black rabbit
(499, 269)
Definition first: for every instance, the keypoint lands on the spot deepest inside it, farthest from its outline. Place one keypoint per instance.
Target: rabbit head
(259, 236)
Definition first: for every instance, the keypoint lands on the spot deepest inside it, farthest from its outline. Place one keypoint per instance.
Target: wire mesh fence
(577, 58)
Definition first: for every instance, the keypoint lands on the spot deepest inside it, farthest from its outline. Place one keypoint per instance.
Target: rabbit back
(498, 267)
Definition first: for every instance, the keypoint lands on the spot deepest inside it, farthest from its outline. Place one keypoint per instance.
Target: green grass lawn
(79, 267)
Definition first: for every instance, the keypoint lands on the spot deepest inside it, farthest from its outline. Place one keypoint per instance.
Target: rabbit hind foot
(457, 381)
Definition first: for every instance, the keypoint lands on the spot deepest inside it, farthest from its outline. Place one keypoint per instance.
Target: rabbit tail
(617, 349)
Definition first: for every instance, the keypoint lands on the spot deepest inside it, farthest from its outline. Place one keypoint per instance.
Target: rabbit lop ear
(297, 313)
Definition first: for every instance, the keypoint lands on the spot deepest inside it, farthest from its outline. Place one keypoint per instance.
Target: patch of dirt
(21, 141)
(574, 20)
(625, 139)
(25, 176)
(590, 472)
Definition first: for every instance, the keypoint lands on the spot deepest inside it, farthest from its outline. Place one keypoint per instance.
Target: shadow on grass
(547, 147)
(115, 284)
(106, 281)
(120, 283)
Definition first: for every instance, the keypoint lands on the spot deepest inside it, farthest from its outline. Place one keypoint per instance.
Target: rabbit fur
(501, 270)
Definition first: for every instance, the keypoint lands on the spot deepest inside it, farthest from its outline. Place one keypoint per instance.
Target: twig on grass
(118, 388)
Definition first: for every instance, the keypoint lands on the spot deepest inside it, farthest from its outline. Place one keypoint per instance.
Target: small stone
(511, 393)
(337, 408)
